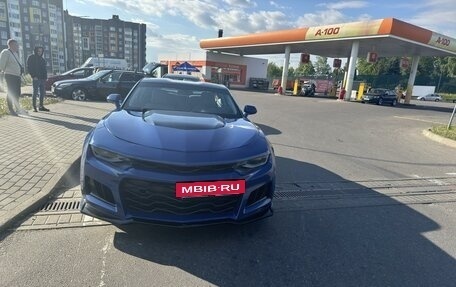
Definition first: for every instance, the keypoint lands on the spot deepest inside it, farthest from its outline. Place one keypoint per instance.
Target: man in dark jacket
(36, 66)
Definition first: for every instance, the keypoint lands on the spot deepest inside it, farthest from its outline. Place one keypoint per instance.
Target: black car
(98, 86)
(380, 96)
(77, 73)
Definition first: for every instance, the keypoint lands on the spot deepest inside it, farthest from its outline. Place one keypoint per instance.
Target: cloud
(345, 5)
(149, 25)
(278, 6)
(436, 15)
(235, 22)
(241, 3)
(321, 18)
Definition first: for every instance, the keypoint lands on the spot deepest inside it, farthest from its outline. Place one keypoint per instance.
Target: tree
(291, 72)
(306, 69)
(366, 68)
(321, 66)
(274, 71)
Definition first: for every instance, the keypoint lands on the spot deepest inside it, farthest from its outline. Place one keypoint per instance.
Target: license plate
(209, 188)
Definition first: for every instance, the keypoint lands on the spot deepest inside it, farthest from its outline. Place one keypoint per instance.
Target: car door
(391, 95)
(127, 81)
(108, 84)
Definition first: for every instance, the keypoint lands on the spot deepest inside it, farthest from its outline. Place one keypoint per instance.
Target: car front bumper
(61, 92)
(122, 196)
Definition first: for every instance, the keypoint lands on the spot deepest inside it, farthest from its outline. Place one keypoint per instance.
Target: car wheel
(394, 103)
(79, 94)
(380, 101)
(437, 100)
(422, 99)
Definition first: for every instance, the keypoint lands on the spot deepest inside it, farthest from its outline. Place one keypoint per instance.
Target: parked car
(182, 77)
(380, 96)
(430, 97)
(77, 73)
(98, 86)
(307, 90)
(179, 153)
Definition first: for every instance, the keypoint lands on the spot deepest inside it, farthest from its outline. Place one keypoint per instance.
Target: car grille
(159, 198)
(142, 164)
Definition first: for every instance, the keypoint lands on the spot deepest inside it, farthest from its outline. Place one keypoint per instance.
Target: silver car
(430, 97)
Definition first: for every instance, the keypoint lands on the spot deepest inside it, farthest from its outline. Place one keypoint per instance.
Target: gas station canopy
(386, 37)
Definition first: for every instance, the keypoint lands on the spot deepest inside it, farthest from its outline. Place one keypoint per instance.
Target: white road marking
(105, 250)
(418, 120)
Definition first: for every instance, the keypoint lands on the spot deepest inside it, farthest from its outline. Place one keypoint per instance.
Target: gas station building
(377, 38)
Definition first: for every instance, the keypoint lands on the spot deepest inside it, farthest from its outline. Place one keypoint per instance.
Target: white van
(110, 63)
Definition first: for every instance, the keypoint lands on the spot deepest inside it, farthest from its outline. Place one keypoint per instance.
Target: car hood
(184, 132)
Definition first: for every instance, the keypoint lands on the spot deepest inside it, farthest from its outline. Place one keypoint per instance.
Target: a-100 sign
(443, 41)
(328, 31)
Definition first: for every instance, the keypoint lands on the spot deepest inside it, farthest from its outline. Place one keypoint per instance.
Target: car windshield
(98, 75)
(182, 98)
(377, 91)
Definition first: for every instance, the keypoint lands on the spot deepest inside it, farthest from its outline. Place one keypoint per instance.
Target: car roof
(183, 76)
(190, 83)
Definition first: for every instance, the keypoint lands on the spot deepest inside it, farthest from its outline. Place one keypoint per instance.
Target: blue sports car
(177, 153)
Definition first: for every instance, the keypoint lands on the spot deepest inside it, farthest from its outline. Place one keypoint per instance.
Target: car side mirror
(249, 110)
(115, 99)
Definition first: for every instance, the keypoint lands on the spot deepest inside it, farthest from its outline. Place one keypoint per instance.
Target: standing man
(12, 70)
(36, 66)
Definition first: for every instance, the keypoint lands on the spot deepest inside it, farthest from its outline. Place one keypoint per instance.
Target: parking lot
(363, 199)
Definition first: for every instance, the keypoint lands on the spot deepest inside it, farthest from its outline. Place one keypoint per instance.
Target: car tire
(422, 99)
(394, 103)
(380, 102)
(79, 94)
(437, 100)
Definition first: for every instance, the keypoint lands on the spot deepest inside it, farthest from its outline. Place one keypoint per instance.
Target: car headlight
(109, 156)
(252, 163)
(64, 85)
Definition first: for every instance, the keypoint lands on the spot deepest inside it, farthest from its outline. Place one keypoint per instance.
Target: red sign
(209, 188)
(404, 63)
(372, 57)
(305, 58)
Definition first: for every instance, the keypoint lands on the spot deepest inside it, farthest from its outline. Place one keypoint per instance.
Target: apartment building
(69, 40)
(111, 38)
(35, 23)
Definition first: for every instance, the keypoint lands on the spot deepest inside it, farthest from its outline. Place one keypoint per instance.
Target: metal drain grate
(61, 206)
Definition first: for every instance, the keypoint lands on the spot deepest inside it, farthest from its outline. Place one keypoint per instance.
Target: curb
(30, 205)
(439, 139)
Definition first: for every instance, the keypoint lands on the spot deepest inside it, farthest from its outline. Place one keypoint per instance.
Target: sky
(178, 25)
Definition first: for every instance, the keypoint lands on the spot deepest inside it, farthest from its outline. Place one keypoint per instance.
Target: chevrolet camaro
(177, 153)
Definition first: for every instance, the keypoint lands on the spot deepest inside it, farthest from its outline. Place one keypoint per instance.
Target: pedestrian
(12, 71)
(36, 66)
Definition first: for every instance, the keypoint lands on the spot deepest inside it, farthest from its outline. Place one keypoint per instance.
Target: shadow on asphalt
(70, 179)
(268, 130)
(357, 246)
(86, 119)
(68, 125)
(448, 109)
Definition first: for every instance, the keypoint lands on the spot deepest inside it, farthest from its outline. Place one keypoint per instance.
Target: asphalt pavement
(37, 149)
